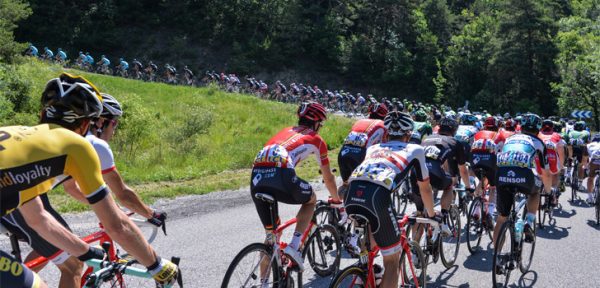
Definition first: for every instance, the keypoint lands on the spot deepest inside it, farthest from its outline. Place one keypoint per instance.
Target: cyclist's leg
(70, 267)
(300, 192)
(16, 275)
(504, 199)
(590, 182)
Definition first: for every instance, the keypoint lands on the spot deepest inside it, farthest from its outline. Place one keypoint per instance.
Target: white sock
(492, 208)
(295, 240)
(354, 239)
(590, 196)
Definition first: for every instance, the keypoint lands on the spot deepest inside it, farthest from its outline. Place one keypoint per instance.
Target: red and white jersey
(489, 141)
(290, 146)
(387, 163)
(366, 133)
(553, 142)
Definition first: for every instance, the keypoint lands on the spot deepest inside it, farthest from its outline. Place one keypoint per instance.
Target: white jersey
(594, 151)
(387, 163)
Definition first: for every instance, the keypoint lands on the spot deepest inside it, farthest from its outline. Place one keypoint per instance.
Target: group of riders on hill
(437, 148)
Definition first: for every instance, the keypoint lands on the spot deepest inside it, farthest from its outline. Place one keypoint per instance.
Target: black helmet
(579, 126)
(531, 122)
(71, 97)
(448, 124)
(547, 125)
(398, 123)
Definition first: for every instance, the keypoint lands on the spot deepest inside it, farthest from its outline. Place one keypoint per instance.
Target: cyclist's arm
(329, 180)
(50, 229)
(73, 190)
(123, 231)
(126, 195)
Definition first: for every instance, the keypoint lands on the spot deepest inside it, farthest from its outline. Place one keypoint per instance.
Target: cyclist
(61, 56)
(137, 68)
(577, 139)
(274, 173)
(521, 161)
(555, 154)
(104, 65)
(32, 51)
(150, 71)
(364, 134)
(69, 266)
(369, 193)
(56, 147)
(445, 158)
(486, 144)
(48, 54)
(422, 127)
(188, 74)
(123, 67)
(593, 149)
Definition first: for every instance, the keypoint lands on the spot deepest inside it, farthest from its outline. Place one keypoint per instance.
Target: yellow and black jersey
(31, 157)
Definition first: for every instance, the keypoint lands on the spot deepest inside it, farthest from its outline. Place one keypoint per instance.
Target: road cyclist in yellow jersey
(31, 157)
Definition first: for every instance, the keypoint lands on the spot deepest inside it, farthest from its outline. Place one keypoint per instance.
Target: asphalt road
(208, 231)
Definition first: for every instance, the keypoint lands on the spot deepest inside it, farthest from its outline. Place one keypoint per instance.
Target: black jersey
(442, 148)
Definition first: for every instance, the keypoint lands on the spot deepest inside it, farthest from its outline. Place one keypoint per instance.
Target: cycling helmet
(71, 97)
(420, 116)
(509, 125)
(490, 123)
(531, 122)
(312, 111)
(448, 124)
(596, 137)
(398, 123)
(579, 126)
(112, 107)
(506, 115)
(377, 111)
(468, 119)
(547, 125)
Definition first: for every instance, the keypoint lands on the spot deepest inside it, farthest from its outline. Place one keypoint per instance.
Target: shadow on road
(592, 223)
(526, 280)
(480, 261)
(564, 213)
(553, 232)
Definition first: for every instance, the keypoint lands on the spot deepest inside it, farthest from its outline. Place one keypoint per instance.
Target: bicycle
(150, 231)
(273, 268)
(478, 219)
(547, 208)
(437, 244)
(597, 196)
(508, 251)
(326, 214)
(362, 273)
(114, 270)
(401, 196)
(574, 178)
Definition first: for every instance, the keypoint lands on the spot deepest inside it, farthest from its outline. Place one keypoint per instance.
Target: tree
(11, 12)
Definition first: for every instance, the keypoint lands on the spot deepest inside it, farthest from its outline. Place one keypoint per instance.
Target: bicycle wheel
(413, 275)
(542, 210)
(527, 248)
(323, 250)
(245, 269)
(449, 245)
(574, 183)
(597, 199)
(503, 262)
(352, 276)
(474, 226)
(324, 215)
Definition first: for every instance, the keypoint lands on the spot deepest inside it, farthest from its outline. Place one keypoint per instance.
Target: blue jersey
(124, 65)
(62, 55)
(465, 133)
(524, 151)
(49, 53)
(89, 59)
(33, 50)
(105, 61)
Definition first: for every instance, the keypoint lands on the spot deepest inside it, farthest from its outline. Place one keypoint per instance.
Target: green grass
(175, 140)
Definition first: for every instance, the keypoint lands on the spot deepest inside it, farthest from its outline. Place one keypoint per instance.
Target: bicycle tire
(354, 272)
(406, 275)
(324, 215)
(327, 244)
(261, 248)
(474, 226)
(541, 219)
(505, 230)
(453, 222)
(597, 199)
(574, 182)
(525, 262)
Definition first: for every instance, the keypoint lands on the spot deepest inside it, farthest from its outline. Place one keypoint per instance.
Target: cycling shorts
(486, 162)
(16, 224)
(16, 275)
(349, 158)
(510, 178)
(283, 185)
(375, 203)
(579, 152)
(438, 178)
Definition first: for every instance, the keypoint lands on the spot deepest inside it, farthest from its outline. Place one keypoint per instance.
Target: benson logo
(511, 173)
(511, 178)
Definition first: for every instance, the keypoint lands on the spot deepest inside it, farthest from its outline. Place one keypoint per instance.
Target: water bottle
(519, 229)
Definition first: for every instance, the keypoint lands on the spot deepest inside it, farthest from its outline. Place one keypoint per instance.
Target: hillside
(180, 140)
